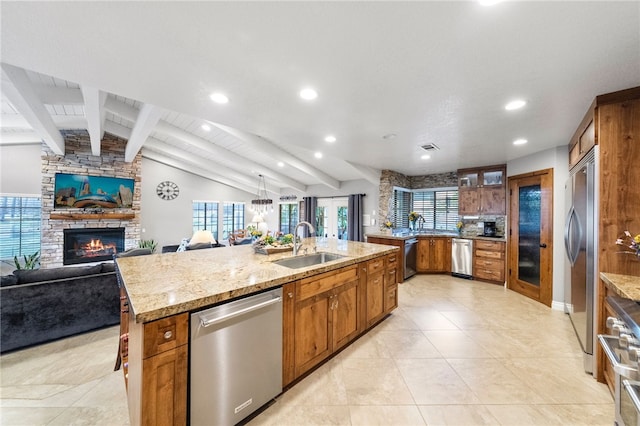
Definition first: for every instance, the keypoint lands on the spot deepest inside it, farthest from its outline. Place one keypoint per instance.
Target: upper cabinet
(482, 190)
(584, 138)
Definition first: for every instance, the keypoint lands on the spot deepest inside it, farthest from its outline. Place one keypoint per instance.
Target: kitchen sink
(308, 260)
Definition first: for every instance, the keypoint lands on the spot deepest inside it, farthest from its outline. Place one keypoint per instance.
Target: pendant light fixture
(262, 203)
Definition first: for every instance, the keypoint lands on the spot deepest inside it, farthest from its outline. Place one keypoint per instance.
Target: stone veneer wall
(390, 179)
(79, 160)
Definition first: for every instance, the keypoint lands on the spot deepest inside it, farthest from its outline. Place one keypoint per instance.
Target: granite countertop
(627, 286)
(418, 235)
(161, 285)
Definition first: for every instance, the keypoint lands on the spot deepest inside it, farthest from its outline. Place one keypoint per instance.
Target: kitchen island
(325, 307)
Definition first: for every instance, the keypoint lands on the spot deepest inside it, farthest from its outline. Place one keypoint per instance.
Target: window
(205, 216)
(439, 208)
(19, 226)
(401, 206)
(288, 218)
(233, 218)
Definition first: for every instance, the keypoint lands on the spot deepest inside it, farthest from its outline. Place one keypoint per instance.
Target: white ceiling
(428, 72)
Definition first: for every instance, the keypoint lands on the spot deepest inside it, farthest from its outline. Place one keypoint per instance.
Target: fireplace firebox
(91, 244)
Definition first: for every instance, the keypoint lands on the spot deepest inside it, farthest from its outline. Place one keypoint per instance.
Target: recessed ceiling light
(280, 164)
(308, 94)
(489, 2)
(318, 155)
(330, 139)
(517, 104)
(519, 141)
(389, 136)
(206, 127)
(219, 98)
(425, 157)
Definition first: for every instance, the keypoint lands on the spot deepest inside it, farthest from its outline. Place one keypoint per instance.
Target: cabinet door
(493, 200)
(345, 314)
(468, 201)
(164, 401)
(440, 255)
(312, 332)
(375, 297)
(423, 255)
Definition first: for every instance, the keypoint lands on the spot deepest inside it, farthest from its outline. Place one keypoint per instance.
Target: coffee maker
(489, 229)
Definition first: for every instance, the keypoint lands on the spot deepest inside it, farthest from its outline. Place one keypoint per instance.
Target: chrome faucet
(296, 244)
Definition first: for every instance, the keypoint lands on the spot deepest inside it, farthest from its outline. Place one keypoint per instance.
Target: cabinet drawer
(374, 266)
(392, 260)
(165, 334)
(309, 287)
(489, 245)
(489, 254)
(490, 264)
(489, 274)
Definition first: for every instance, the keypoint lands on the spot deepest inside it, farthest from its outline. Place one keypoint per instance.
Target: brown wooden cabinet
(323, 313)
(325, 317)
(158, 360)
(434, 254)
(399, 255)
(482, 190)
(489, 260)
(584, 138)
(391, 283)
(372, 278)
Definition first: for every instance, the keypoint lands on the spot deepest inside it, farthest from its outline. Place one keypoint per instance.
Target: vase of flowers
(633, 243)
(387, 226)
(413, 217)
(459, 226)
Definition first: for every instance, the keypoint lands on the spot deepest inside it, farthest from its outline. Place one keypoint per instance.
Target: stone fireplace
(91, 244)
(79, 160)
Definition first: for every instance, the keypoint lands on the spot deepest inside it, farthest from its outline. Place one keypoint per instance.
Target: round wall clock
(167, 190)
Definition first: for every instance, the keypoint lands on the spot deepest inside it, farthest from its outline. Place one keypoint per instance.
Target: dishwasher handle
(206, 322)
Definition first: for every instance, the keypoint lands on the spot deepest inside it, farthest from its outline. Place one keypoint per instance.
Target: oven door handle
(622, 369)
(629, 387)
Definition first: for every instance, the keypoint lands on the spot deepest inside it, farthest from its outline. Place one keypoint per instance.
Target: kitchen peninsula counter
(167, 284)
(627, 286)
(403, 236)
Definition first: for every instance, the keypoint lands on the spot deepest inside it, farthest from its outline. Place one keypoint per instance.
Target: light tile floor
(455, 352)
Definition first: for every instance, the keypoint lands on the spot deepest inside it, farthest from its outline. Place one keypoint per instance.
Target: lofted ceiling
(416, 72)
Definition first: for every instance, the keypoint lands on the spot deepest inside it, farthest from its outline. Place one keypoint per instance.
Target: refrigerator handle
(570, 247)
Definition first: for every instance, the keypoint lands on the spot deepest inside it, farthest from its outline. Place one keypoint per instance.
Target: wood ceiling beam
(205, 173)
(266, 147)
(148, 118)
(20, 138)
(224, 155)
(371, 175)
(168, 158)
(189, 158)
(95, 113)
(20, 92)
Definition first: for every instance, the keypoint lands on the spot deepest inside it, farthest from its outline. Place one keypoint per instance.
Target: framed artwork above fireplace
(85, 191)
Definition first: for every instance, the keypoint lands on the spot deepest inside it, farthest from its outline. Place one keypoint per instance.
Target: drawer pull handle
(168, 335)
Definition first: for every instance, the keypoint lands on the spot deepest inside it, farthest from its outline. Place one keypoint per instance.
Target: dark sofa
(38, 306)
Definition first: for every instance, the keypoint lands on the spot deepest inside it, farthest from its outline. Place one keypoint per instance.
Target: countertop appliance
(410, 253)
(489, 229)
(622, 348)
(228, 380)
(580, 242)
(461, 257)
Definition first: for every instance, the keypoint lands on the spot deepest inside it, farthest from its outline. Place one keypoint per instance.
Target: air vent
(430, 147)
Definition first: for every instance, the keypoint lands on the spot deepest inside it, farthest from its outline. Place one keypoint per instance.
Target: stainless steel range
(622, 347)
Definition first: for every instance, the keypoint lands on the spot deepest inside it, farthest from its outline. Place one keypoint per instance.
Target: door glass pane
(529, 234)
(342, 222)
(321, 221)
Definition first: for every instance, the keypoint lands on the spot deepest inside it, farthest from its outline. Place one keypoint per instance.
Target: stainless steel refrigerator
(580, 239)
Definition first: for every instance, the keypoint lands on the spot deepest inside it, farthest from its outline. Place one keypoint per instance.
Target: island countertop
(425, 235)
(626, 286)
(161, 285)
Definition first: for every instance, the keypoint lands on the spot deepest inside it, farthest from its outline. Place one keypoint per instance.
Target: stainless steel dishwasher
(461, 257)
(236, 358)
(410, 252)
